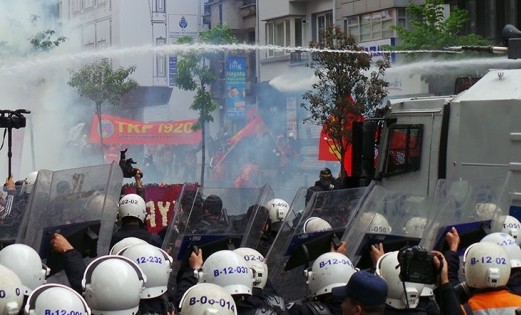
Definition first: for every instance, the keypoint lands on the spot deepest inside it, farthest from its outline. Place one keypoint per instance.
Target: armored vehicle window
(403, 149)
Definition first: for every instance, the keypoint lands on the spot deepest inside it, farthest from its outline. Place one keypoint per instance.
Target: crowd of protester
(140, 276)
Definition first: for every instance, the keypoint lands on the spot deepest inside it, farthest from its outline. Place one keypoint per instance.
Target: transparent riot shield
(510, 201)
(468, 205)
(394, 219)
(255, 218)
(80, 204)
(184, 202)
(221, 218)
(13, 205)
(309, 231)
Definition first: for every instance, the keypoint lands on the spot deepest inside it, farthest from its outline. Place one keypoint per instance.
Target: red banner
(118, 130)
(160, 201)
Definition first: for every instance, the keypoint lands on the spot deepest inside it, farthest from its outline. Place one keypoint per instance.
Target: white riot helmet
(257, 264)
(155, 263)
(11, 287)
(101, 202)
(55, 297)
(316, 224)
(376, 223)
(124, 243)
(511, 226)
(132, 205)
(207, 298)
(27, 265)
(486, 211)
(278, 209)
(228, 270)
(509, 244)
(415, 227)
(29, 181)
(329, 270)
(486, 265)
(112, 285)
(401, 295)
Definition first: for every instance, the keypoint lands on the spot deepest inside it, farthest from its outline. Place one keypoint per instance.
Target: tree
(41, 41)
(194, 73)
(100, 83)
(430, 29)
(344, 89)
(46, 40)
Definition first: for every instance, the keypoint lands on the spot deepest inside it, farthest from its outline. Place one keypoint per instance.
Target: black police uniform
(138, 231)
(333, 306)
(155, 306)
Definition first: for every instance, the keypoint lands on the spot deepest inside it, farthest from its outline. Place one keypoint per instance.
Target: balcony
(298, 57)
(249, 8)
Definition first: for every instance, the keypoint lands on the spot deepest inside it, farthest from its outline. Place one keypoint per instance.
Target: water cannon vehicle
(423, 139)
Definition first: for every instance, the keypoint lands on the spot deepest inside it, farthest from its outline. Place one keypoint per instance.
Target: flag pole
(226, 154)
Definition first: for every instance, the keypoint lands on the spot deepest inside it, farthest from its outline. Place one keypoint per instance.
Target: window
(160, 6)
(322, 22)
(401, 21)
(298, 32)
(89, 35)
(352, 26)
(160, 59)
(278, 33)
(403, 149)
(88, 4)
(373, 26)
(75, 6)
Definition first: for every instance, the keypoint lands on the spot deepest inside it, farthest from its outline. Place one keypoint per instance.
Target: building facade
(137, 26)
(488, 17)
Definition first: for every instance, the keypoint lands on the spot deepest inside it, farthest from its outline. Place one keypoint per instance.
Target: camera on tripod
(126, 165)
(10, 119)
(13, 119)
(416, 265)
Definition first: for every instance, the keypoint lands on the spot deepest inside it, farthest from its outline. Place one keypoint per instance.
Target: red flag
(256, 126)
(328, 151)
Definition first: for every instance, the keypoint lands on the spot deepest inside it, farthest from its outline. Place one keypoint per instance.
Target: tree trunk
(98, 113)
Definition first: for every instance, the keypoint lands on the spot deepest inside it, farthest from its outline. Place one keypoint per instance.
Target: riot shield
(468, 205)
(256, 217)
(510, 199)
(13, 205)
(184, 202)
(309, 231)
(394, 219)
(221, 218)
(80, 203)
